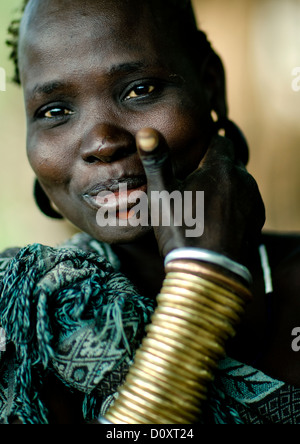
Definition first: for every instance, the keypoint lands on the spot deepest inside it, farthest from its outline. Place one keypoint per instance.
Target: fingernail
(147, 140)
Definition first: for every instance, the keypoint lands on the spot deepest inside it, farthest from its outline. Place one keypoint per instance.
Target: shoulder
(284, 305)
(6, 258)
(80, 241)
(284, 257)
(283, 249)
(7, 255)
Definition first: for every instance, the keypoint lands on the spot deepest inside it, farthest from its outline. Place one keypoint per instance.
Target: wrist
(212, 259)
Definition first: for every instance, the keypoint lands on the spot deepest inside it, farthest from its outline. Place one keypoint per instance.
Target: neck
(143, 265)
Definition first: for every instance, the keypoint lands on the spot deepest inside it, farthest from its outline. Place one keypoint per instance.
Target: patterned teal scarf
(67, 311)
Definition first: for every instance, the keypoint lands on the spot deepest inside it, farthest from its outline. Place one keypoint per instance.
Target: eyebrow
(49, 88)
(127, 67)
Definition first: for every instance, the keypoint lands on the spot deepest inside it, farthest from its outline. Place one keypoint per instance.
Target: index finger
(155, 156)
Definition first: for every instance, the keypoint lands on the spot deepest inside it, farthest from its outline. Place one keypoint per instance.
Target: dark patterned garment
(244, 395)
(68, 311)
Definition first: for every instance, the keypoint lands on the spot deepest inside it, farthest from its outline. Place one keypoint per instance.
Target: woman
(120, 98)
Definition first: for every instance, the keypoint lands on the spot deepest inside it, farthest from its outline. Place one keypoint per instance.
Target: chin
(119, 235)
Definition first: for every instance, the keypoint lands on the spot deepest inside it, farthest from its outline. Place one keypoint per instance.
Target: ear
(43, 202)
(213, 79)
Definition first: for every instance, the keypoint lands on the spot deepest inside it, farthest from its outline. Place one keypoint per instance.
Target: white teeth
(122, 199)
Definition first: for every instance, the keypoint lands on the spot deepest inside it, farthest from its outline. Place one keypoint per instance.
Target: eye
(57, 112)
(140, 91)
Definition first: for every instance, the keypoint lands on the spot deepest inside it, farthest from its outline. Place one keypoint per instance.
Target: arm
(194, 297)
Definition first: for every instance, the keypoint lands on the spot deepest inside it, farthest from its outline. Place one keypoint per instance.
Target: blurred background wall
(259, 42)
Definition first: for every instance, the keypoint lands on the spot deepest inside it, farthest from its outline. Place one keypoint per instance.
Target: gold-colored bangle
(170, 336)
(133, 411)
(199, 285)
(157, 391)
(147, 362)
(188, 298)
(167, 381)
(233, 295)
(194, 282)
(189, 336)
(174, 357)
(177, 350)
(173, 315)
(224, 326)
(197, 269)
(197, 311)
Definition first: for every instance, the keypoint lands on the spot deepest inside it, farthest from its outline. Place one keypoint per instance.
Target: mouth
(117, 196)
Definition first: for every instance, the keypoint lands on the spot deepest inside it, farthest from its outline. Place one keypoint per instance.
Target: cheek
(50, 160)
(188, 133)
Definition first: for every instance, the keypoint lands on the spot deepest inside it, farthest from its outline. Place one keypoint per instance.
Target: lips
(112, 185)
(114, 194)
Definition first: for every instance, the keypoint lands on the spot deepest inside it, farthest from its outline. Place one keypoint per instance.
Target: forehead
(77, 16)
(68, 30)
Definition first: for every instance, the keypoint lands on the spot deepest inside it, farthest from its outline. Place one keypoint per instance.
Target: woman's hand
(234, 212)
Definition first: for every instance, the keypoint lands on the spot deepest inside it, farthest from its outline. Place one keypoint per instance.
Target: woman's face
(95, 73)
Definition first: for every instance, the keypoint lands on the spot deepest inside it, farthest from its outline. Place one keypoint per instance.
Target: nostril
(107, 143)
(108, 155)
(124, 152)
(91, 159)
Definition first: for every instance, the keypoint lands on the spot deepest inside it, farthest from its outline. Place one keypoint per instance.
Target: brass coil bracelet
(198, 310)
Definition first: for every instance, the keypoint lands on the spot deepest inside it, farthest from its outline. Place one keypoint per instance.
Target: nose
(107, 143)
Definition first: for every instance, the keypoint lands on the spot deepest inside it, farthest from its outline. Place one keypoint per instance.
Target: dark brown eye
(57, 112)
(140, 90)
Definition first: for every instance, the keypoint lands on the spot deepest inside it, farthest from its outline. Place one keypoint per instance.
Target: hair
(13, 42)
(179, 12)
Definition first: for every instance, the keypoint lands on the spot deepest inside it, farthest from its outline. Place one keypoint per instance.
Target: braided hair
(179, 11)
(13, 42)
